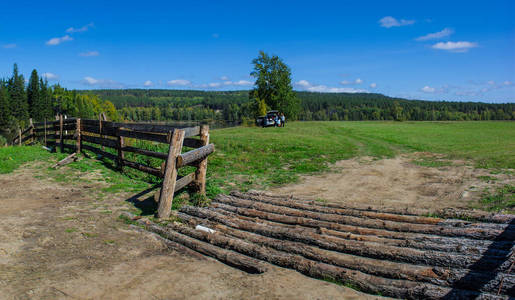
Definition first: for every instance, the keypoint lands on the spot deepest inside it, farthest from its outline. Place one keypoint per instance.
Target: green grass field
(253, 157)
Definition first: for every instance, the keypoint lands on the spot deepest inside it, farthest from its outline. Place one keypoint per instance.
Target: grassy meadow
(249, 157)
(254, 157)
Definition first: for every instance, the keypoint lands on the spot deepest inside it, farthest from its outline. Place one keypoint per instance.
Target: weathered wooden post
(31, 131)
(121, 157)
(45, 132)
(61, 132)
(200, 173)
(170, 177)
(79, 138)
(19, 136)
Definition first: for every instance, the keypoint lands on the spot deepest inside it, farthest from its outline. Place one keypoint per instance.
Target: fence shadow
(500, 239)
(144, 201)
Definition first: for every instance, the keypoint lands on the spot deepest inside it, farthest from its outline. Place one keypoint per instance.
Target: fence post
(61, 133)
(31, 131)
(45, 133)
(79, 138)
(19, 136)
(120, 151)
(168, 188)
(100, 127)
(200, 173)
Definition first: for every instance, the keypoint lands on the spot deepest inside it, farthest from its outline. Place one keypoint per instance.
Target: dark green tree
(46, 99)
(36, 105)
(18, 97)
(5, 110)
(273, 85)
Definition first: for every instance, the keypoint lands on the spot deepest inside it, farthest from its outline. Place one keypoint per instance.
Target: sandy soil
(58, 242)
(398, 182)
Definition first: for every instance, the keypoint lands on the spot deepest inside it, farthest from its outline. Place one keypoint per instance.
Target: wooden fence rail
(94, 135)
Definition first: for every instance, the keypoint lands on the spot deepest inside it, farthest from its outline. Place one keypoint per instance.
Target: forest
(236, 106)
(35, 98)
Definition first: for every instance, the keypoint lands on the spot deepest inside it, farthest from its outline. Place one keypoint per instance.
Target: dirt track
(59, 242)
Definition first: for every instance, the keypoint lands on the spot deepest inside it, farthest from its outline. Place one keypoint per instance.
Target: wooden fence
(95, 135)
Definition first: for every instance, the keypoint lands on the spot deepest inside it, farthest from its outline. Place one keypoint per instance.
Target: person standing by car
(283, 120)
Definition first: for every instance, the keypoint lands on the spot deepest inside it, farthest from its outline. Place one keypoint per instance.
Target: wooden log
(120, 159)
(200, 173)
(154, 128)
(196, 156)
(61, 133)
(154, 137)
(78, 134)
(19, 137)
(474, 233)
(231, 258)
(45, 133)
(369, 283)
(96, 130)
(402, 239)
(100, 141)
(31, 131)
(442, 213)
(140, 167)
(460, 278)
(145, 152)
(184, 181)
(68, 159)
(288, 202)
(170, 244)
(341, 211)
(99, 151)
(365, 249)
(170, 177)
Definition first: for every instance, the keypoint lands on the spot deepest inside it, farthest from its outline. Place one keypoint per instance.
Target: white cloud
(373, 85)
(180, 82)
(224, 78)
(491, 82)
(81, 29)
(148, 83)
(428, 89)
(89, 53)
(242, 82)
(211, 85)
(102, 83)
(239, 83)
(50, 76)
(306, 85)
(58, 40)
(9, 46)
(346, 82)
(390, 21)
(508, 83)
(436, 35)
(461, 46)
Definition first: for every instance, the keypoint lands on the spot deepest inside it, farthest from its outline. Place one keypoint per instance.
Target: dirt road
(58, 242)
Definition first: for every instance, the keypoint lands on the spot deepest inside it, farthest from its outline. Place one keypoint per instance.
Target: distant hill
(153, 104)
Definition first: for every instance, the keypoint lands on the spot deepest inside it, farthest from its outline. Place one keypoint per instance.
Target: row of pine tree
(36, 99)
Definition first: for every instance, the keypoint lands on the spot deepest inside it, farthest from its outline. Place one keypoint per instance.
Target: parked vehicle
(268, 120)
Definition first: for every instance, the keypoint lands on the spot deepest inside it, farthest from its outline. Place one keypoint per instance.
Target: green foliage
(18, 98)
(273, 85)
(5, 109)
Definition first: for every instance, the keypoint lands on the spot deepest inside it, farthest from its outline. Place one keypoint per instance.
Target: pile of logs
(393, 253)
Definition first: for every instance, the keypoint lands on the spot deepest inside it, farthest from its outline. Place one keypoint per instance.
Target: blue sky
(436, 50)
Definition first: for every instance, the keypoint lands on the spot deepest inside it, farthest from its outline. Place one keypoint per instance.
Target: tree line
(36, 99)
